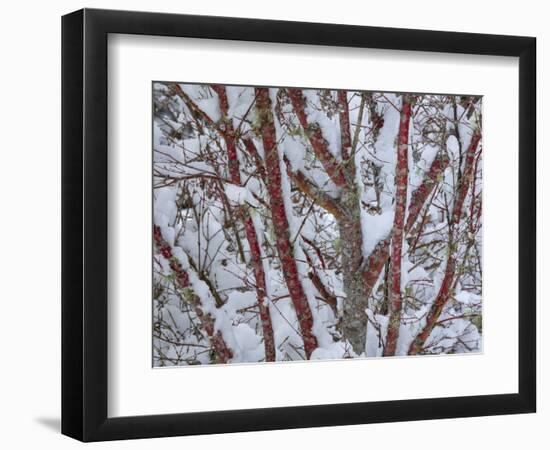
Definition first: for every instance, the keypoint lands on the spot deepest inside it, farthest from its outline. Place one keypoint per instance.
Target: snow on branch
(181, 276)
(315, 136)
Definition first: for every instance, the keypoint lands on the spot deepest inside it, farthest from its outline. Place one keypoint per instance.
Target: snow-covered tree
(296, 224)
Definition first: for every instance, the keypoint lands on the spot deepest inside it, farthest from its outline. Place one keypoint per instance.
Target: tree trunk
(280, 221)
(351, 238)
(356, 301)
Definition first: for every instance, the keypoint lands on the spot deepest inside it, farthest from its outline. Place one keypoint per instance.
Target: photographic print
(294, 224)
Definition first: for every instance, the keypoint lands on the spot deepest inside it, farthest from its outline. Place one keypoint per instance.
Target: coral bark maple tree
(324, 223)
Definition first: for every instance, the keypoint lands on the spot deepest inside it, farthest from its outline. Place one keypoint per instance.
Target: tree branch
(250, 230)
(280, 221)
(402, 181)
(421, 194)
(380, 254)
(345, 131)
(448, 279)
(313, 193)
(182, 280)
(316, 139)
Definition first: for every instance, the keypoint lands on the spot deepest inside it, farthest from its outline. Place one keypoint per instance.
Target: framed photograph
(273, 224)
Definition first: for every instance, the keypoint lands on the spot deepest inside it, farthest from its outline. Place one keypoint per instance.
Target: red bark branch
(280, 221)
(448, 279)
(421, 194)
(473, 216)
(250, 230)
(375, 264)
(326, 296)
(466, 177)
(251, 148)
(316, 139)
(381, 253)
(315, 194)
(259, 274)
(317, 251)
(345, 130)
(228, 136)
(192, 105)
(182, 279)
(402, 181)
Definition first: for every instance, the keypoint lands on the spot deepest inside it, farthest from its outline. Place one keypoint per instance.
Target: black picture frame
(84, 224)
